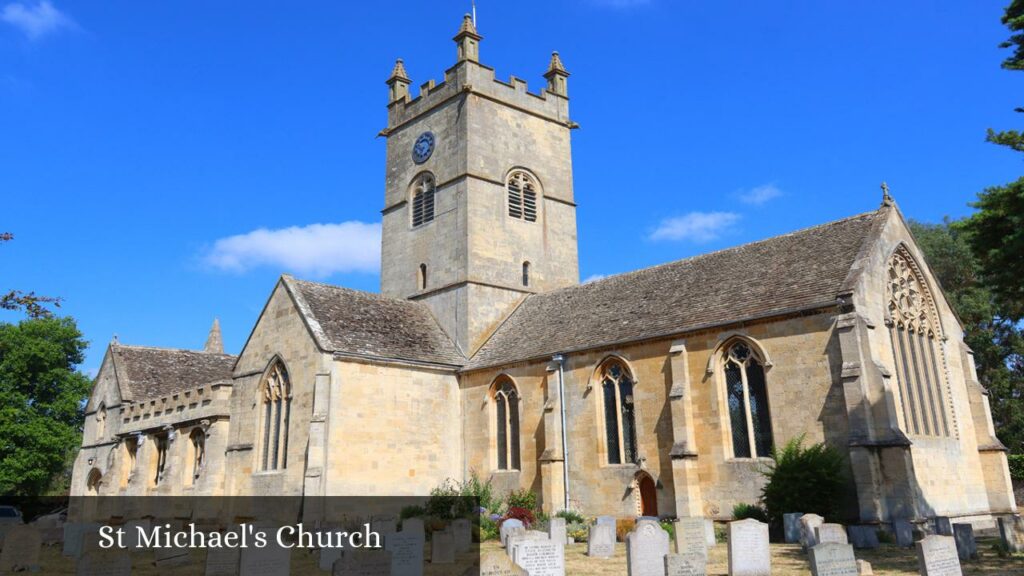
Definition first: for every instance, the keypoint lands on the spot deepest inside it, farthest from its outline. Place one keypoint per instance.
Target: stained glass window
(506, 402)
(619, 414)
(747, 397)
(275, 393)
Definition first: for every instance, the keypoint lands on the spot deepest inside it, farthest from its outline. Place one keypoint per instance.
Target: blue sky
(162, 163)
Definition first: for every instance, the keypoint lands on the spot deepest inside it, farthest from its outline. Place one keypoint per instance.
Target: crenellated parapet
(203, 402)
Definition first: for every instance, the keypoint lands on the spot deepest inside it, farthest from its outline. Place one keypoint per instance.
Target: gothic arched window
(506, 411)
(619, 415)
(747, 397)
(915, 335)
(275, 396)
(522, 195)
(423, 199)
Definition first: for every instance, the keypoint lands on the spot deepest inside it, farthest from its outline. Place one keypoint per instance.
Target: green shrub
(808, 480)
(571, 517)
(1016, 466)
(524, 498)
(578, 531)
(480, 490)
(743, 511)
(669, 527)
(460, 499)
(412, 512)
(488, 529)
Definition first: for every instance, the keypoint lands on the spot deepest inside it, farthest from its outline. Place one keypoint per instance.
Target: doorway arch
(646, 495)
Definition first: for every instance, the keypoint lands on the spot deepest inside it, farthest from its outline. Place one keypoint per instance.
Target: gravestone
(132, 534)
(1011, 531)
(833, 559)
(601, 541)
(709, 528)
(113, 562)
(406, 550)
(556, 530)
(904, 532)
(685, 565)
(517, 538)
(943, 527)
(864, 568)
(463, 532)
(508, 526)
(223, 561)
(829, 532)
(748, 548)
(362, 562)
(442, 548)
(863, 537)
(691, 544)
(413, 526)
(540, 557)
(609, 520)
(646, 547)
(936, 556)
(809, 529)
(21, 549)
(74, 533)
(171, 556)
(272, 560)
(498, 564)
(328, 556)
(791, 526)
(383, 525)
(966, 547)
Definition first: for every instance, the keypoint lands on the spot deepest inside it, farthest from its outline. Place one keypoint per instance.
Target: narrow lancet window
(747, 397)
(619, 414)
(506, 410)
(275, 395)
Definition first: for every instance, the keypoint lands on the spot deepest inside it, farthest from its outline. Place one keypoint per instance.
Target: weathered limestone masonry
(659, 392)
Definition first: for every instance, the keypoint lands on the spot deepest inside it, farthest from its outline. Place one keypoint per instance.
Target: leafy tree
(997, 342)
(809, 480)
(33, 304)
(41, 402)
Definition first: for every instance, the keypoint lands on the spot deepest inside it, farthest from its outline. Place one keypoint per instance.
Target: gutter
(560, 359)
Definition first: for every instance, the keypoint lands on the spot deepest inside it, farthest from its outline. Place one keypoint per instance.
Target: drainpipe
(560, 359)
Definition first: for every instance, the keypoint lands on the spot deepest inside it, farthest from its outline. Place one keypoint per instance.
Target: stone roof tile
(158, 372)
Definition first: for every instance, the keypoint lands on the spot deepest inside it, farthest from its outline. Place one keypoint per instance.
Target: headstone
(601, 541)
(691, 545)
(271, 560)
(111, 562)
(540, 557)
(133, 530)
(966, 547)
(463, 531)
(171, 556)
(74, 533)
(1011, 531)
(646, 547)
(864, 568)
(383, 525)
(863, 537)
(223, 561)
(498, 564)
(832, 559)
(413, 525)
(709, 527)
(829, 532)
(609, 520)
(21, 549)
(943, 527)
(904, 532)
(791, 526)
(508, 526)
(556, 530)
(442, 548)
(748, 548)
(685, 565)
(362, 562)
(406, 550)
(328, 556)
(936, 556)
(809, 529)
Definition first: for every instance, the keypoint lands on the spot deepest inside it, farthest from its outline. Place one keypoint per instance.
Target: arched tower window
(506, 410)
(915, 333)
(423, 199)
(747, 397)
(522, 195)
(275, 396)
(526, 273)
(619, 415)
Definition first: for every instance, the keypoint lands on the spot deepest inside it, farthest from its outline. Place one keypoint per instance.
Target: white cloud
(594, 278)
(695, 226)
(317, 249)
(760, 194)
(35, 20)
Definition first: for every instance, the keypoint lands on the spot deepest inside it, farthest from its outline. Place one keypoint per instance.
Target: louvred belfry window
(747, 397)
(506, 410)
(275, 395)
(522, 196)
(619, 414)
(423, 199)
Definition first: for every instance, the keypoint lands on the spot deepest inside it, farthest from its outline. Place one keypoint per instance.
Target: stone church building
(658, 392)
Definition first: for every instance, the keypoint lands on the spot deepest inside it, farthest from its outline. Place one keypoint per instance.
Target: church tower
(478, 209)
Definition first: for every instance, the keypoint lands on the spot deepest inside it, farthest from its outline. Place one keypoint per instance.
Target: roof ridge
(376, 295)
(169, 349)
(707, 254)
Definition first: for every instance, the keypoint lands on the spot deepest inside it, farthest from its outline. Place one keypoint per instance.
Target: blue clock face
(423, 147)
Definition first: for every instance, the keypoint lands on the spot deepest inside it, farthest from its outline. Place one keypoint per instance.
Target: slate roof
(795, 271)
(367, 324)
(156, 372)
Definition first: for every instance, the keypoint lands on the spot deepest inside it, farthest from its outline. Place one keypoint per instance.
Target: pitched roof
(795, 271)
(366, 324)
(156, 372)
